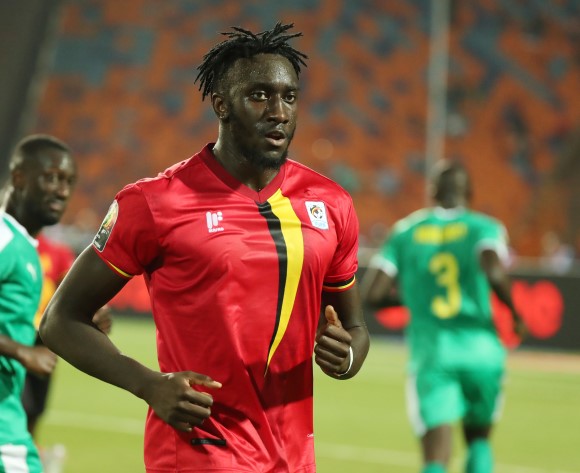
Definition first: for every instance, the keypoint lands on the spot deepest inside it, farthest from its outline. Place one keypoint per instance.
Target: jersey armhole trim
(498, 247)
(119, 271)
(339, 286)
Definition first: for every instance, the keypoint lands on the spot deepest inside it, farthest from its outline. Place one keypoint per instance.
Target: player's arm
(67, 327)
(103, 318)
(378, 285)
(342, 340)
(500, 283)
(68, 330)
(377, 289)
(38, 359)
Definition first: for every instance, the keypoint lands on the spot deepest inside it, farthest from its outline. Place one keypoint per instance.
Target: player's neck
(240, 168)
(31, 227)
(451, 203)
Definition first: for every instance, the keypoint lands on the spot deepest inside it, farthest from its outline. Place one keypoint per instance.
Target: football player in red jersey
(250, 261)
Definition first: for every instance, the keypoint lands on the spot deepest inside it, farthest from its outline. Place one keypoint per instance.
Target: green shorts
(437, 396)
(18, 458)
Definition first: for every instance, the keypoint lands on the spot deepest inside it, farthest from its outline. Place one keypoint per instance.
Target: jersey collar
(20, 228)
(208, 158)
(449, 214)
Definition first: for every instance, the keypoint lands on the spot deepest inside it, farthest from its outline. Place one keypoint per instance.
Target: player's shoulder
(12, 231)
(186, 166)
(163, 180)
(6, 232)
(317, 182)
(483, 219)
(412, 220)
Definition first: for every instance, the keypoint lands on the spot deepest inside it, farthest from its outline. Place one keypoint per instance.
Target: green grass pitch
(361, 423)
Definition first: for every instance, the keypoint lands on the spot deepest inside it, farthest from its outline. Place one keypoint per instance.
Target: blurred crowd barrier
(548, 303)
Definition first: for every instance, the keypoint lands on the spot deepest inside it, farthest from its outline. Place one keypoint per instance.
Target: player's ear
(18, 178)
(220, 106)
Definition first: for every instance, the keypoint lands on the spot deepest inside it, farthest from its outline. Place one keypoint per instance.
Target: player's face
(450, 185)
(263, 105)
(47, 186)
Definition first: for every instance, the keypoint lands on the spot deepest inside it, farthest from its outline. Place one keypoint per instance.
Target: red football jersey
(55, 259)
(235, 279)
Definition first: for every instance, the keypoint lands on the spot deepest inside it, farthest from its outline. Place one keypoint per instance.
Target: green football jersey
(20, 287)
(434, 253)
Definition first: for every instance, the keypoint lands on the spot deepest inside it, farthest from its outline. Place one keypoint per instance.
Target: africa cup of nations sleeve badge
(104, 232)
(317, 214)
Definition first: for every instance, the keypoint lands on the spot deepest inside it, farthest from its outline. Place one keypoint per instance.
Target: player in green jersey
(446, 260)
(20, 288)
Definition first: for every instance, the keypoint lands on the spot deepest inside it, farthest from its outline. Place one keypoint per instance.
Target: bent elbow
(45, 327)
(372, 302)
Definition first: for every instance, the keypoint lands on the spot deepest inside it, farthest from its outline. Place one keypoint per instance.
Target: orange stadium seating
(121, 92)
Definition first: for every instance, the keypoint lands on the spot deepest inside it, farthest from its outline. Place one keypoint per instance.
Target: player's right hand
(174, 400)
(37, 359)
(103, 319)
(520, 328)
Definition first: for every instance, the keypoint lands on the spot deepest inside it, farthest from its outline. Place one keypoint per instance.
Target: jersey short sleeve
(341, 273)
(127, 239)
(492, 235)
(388, 257)
(8, 257)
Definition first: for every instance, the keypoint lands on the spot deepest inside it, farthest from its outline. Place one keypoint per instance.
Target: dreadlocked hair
(242, 43)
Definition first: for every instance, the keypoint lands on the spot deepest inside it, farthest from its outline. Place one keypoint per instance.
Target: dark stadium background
(115, 80)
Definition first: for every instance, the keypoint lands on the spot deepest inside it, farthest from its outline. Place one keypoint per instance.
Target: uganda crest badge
(317, 214)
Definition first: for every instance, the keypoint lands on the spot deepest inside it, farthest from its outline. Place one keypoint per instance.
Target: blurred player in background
(445, 259)
(241, 249)
(20, 288)
(44, 174)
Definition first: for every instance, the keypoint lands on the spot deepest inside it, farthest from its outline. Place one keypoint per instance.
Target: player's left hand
(103, 319)
(332, 352)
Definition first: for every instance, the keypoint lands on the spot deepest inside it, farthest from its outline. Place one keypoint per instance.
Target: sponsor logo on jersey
(102, 236)
(436, 235)
(317, 214)
(213, 220)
